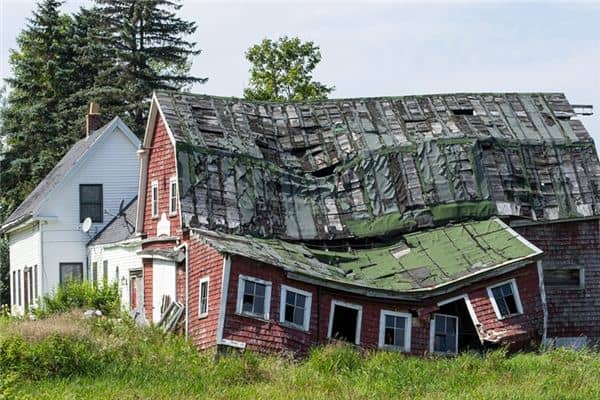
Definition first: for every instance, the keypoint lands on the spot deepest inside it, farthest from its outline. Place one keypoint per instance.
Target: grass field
(65, 357)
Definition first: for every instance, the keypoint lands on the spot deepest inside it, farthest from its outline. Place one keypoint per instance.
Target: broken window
(505, 299)
(90, 202)
(254, 297)
(394, 330)
(444, 336)
(564, 278)
(345, 321)
(203, 298)
(294, 309)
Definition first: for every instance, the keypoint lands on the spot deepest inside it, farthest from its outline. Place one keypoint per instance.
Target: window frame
(580, 286)
(407, 330)
(202, 281)
(173, 196)
(515, 292)
(307, 307)
(432, 334)
(356, 307)
(83, 217)
(61, 279)
(240, 297)
(154, 199)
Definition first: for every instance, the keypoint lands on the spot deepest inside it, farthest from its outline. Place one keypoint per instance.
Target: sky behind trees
(394, 48)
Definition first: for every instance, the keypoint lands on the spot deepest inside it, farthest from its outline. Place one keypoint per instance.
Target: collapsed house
(416, 223)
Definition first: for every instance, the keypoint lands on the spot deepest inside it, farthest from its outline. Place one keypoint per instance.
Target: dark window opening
(323, 172)
(463, 111)
(468, 339)
(90, 203)
(71, 271)
(105, 271)
(344, 323)
(564, 277)
(95, 273)
(505, 299)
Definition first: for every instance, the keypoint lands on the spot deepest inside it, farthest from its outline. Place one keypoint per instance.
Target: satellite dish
(87, 225)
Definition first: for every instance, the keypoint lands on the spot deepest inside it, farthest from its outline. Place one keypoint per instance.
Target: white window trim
(358, 318)
(407, 330)
(432, 334)
(240, 297)
(515, 290)
(203, 280)
(172, 181)
(307, 307)
(154, 199)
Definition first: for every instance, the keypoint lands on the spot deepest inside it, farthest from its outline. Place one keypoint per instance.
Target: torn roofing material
(416, 262)
(355, 168)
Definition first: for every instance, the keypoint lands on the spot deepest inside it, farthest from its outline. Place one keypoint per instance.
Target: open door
(136, 292)
(163, 287)
(455, 320)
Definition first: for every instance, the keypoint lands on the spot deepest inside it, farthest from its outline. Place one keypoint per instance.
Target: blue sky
(396, 48)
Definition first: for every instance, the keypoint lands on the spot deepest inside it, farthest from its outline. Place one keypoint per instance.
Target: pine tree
(144, 50)
(33, 128)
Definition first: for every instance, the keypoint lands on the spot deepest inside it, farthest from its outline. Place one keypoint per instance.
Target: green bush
(73, 294)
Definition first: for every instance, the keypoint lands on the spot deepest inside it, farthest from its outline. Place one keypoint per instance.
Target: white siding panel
(163, 283)
(125, 258)
(24, 251)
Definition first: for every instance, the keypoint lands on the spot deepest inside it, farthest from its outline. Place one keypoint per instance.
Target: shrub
(85, 294)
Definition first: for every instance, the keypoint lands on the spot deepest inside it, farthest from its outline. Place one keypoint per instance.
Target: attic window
(463, 111)
(564, 278)
(90, 203)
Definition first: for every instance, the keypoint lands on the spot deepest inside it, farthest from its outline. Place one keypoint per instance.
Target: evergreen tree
(33, 128)
(143, 49)
(282, 70)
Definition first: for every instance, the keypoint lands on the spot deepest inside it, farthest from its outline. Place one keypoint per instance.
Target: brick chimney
(92, 119)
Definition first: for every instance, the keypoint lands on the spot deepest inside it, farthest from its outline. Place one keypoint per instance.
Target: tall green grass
(107, 359)
(73, 294)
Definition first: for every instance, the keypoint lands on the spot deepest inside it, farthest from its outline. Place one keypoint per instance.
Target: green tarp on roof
(415, 262)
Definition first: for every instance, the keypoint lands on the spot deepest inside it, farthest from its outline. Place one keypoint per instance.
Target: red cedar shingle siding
(571, 312)
(148, 288)
(204, 261)
(271, 336)
(161, 167)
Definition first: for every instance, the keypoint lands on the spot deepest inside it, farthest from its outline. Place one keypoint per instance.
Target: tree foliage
(282, 70)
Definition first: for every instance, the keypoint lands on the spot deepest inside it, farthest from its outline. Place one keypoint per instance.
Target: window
(19, 286)
(505, 299)
(90, 202)
(14, 287)
(71, 271)
(294, 307)
(444, 334)
(95, 273)
(173, 196)
(203, 298)
(564, 278)
(254, 297)
(345, 321)
(35, 281)
(105, 271)
(394, 330)
(154, 199)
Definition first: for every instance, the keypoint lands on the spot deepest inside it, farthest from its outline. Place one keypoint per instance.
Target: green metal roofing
(417, 261)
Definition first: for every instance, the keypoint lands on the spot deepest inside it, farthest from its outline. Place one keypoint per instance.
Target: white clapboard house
(47, 242)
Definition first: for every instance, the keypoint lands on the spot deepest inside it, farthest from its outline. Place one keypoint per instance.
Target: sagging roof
(120, 228)
(33, 201)
(355, 168)
(416, 262)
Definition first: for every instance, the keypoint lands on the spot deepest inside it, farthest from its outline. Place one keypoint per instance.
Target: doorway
(465, 320)
(136, 291)
(345, 322)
